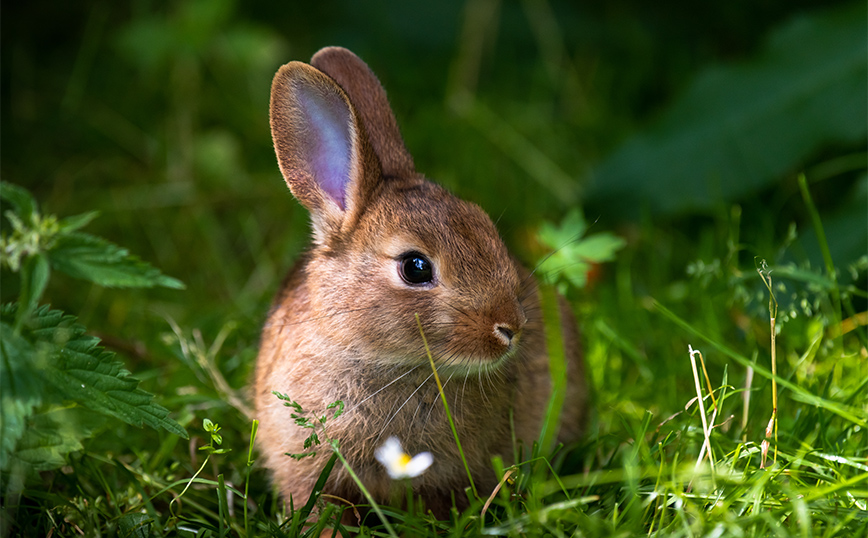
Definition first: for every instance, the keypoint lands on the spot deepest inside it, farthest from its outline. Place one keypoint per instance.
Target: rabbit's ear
(321, 147)
(370, 101)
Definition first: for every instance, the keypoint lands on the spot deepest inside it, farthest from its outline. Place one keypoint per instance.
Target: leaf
(52, 435)
(135, 525)
(22, 202)
(738, 129)
(571, 229)
(34, 280)
(37, 242)
(76, 222)
(20, 390)
(573, 255)
(92, 258)
(597, 248)
(53, 361)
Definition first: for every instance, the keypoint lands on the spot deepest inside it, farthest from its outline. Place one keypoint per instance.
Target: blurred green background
(657, 118)
(681, 126)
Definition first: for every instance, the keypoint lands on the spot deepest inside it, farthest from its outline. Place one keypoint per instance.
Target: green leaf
(76, 222)
(53, 361)
(135, 525)
(20, 389)
(738, 129)
(597, 248)
(52, 435)
(92, 258)
(572, 228)
(22, 202)
(573, 255)
(34, 279)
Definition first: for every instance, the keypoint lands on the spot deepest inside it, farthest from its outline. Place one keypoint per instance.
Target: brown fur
(344, 327)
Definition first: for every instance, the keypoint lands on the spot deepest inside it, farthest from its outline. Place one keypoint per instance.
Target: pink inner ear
(327, 141)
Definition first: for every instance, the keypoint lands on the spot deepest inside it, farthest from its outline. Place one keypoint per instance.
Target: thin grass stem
(364, 490)
(766, 276)
(253, 428)
(446, 406)
(824, 244)
(705, 428)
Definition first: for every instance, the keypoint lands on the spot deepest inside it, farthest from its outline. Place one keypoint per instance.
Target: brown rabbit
(388, 245)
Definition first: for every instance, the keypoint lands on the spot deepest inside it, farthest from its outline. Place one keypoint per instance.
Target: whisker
(386, 425)
(384, 387)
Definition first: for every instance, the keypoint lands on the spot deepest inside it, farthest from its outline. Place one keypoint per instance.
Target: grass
(677, 448)
(181, 168)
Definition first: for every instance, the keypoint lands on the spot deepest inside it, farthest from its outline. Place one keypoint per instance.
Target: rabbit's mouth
(459, 363)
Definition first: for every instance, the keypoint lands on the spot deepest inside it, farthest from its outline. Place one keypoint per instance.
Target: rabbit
(388, 245)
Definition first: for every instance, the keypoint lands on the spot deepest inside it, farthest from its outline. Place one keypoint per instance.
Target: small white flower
(398, 463)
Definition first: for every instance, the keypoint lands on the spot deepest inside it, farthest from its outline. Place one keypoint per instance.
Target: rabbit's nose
(505, 333)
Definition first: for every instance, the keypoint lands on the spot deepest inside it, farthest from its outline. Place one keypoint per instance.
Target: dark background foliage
(155, 114)
(668, 122)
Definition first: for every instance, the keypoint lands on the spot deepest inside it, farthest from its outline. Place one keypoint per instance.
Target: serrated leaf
(53, 434)
(20, 389)
(92, 258)
(34, 279)
(740, 128)
(135, 525)
(77, 369)
(76, 222)
(23, 203)
(91, 377)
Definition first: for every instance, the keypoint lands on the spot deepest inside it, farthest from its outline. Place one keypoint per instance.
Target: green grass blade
(798, 392)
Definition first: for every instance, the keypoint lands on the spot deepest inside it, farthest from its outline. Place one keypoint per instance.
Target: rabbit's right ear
(370, 101)
(321, 147)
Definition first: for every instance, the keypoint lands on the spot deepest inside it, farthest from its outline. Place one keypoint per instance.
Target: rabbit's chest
(414, 412)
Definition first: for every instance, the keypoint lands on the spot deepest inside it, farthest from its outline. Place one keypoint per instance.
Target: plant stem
(365, 491)
(824, 245)
(253, 429)
(190, 482)
(705, 427)
(446, 405)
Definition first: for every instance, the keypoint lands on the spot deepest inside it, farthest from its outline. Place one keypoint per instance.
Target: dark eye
(415, 268)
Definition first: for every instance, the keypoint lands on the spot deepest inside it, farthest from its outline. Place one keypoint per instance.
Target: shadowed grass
(181, 168)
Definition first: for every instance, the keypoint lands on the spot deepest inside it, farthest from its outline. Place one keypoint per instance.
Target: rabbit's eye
(416, 268)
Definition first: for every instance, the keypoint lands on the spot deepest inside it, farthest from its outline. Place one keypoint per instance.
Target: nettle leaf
(88, 374)
(76, 222)
(135, 525)
(57, 242)
(574, 255)
(53, 434)
(92, 258)
(51, 363)
(20, 388)
(34, 279)
(22, 202)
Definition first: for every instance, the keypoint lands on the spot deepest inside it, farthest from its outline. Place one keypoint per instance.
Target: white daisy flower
(398, 463)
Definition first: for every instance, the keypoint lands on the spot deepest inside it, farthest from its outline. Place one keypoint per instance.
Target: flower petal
(390, 452)
(419, 464)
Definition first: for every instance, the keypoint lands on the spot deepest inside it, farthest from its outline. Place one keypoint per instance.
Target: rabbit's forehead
(457, 234)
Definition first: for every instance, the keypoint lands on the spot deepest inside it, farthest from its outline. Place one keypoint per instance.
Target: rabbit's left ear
(370, 102)
(322, 148)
